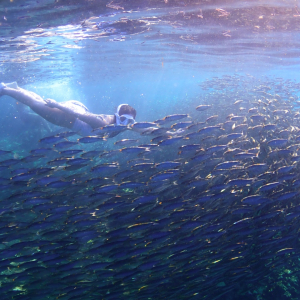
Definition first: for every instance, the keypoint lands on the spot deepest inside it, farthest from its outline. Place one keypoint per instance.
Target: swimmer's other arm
(94, 120)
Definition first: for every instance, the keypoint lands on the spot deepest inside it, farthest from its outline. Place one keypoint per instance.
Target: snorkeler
(70, 114)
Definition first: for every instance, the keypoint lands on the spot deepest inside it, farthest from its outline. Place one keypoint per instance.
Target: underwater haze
(205, 203)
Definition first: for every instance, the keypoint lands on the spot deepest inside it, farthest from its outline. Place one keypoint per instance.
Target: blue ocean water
(152, 55)
(156, 56)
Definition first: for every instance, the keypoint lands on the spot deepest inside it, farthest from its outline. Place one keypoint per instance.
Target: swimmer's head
(125, 109)
(125, 114)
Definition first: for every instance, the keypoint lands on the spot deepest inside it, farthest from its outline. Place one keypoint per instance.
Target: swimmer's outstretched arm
(39, 106)
(94, 120)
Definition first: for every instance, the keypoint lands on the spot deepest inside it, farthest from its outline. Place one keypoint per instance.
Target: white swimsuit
(79, 126)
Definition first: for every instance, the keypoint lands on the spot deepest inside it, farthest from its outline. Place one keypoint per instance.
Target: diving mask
(124, 119)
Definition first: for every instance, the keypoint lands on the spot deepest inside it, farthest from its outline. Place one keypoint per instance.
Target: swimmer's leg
(38, 105)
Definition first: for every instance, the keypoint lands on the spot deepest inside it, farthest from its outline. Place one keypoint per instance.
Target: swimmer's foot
(12, 85)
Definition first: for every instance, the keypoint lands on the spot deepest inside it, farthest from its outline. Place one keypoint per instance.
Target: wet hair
(126, 109)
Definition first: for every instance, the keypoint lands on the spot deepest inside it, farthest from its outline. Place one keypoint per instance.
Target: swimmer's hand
(51, 103)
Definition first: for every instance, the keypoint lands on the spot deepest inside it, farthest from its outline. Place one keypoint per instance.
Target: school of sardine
(206, 207)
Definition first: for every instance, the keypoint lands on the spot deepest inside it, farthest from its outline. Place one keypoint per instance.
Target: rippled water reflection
(31, 31)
